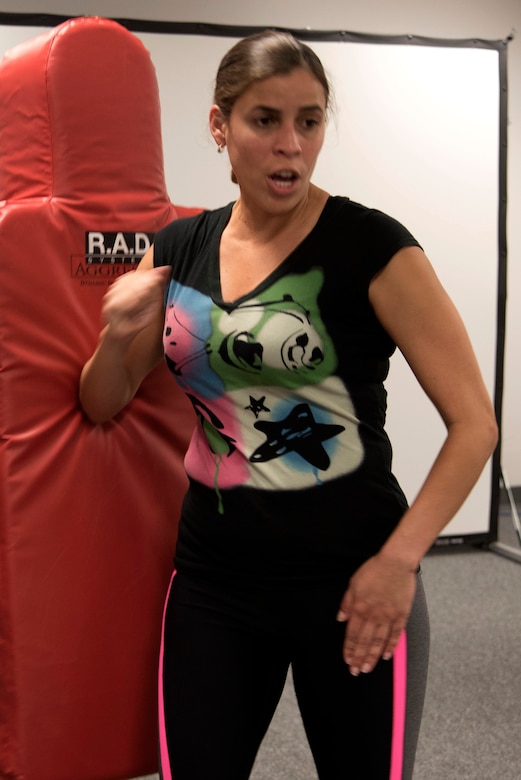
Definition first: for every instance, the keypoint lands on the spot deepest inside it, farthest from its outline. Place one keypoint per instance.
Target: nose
(288, 141)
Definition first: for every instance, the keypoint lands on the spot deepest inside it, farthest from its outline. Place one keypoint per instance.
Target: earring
(220, 149)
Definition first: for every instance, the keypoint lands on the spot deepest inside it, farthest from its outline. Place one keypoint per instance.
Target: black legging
(225, 657)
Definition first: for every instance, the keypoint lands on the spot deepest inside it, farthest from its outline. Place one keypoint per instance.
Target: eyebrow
(273, 110)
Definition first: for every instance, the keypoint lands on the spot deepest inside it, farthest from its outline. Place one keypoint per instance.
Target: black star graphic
(299, 433)
(257, 405)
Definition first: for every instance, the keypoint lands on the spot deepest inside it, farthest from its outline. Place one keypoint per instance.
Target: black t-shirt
(289, 465)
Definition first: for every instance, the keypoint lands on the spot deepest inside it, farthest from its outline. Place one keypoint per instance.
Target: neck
(251, 223)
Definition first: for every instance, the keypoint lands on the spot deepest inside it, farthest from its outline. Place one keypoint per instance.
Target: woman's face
(273, 136)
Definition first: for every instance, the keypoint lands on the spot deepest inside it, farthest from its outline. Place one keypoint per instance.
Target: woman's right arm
(130, 344)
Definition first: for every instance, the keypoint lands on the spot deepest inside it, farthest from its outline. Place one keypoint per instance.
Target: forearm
(454, 473)
(105, 382)
(129, 346)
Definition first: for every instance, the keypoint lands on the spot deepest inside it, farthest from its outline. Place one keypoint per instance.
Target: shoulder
(366, 236)
(186, 230)
(370, 228)
(345, 210)
(205, 220)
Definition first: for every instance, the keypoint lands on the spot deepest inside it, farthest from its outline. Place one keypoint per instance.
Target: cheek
(312, 153)
(317, 143)
(245, 154)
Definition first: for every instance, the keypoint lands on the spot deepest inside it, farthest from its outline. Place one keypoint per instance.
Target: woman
(296, 544)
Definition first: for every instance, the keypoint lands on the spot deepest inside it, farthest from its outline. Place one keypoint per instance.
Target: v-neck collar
(214, 264)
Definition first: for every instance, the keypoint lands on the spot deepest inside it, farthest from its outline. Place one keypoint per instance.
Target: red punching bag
(88, 514)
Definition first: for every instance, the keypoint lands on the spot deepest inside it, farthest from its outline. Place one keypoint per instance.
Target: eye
(310, 123)
(265, 120)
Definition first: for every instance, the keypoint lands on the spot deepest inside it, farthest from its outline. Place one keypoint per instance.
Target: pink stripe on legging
(163, 746)
(399, 708)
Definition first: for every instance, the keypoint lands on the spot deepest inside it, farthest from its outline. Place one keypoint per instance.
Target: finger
(393, 641)
(371, 653)
(162, 272)
(354, 639)
(364, 648)
(134, 301)
(344, 610)
(135, 289)
(369, 650)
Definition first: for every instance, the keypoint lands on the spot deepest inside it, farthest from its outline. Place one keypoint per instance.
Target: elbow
(98, 400)
(480, 432)
(486, 434)
(92, 414)
(94, 419)
(493, 433)
(95, 409)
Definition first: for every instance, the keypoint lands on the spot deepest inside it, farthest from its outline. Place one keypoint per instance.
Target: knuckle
(349, 644)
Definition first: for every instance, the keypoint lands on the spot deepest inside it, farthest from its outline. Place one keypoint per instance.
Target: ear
(217, 125)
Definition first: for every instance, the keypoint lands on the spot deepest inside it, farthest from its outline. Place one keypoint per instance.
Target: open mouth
(284, 179)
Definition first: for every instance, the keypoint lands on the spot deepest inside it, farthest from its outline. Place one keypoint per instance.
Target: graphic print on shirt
(261, 378)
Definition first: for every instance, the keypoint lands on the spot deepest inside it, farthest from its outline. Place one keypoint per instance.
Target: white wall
(432, 18)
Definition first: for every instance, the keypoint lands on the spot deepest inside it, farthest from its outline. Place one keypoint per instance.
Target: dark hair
(260, 56)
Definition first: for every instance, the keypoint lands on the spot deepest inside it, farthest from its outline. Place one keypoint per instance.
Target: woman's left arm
(416, 311)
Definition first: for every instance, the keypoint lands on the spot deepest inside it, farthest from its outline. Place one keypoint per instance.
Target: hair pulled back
(260, 56)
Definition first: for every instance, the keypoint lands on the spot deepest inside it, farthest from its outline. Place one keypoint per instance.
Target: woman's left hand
(376, 606)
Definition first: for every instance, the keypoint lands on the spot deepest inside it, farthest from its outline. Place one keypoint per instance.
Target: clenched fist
(133, 302)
